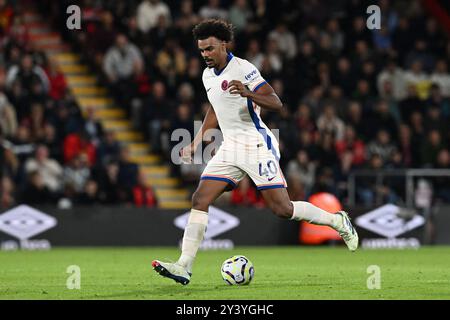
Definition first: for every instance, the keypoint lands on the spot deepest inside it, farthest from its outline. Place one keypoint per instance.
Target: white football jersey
(239, 118)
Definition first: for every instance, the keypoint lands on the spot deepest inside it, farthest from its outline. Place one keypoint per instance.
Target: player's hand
(187, 153)
(237, 87)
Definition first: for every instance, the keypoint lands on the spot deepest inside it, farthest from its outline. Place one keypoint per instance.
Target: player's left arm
(264, 96)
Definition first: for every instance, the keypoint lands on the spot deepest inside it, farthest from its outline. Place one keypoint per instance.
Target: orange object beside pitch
(315, 234)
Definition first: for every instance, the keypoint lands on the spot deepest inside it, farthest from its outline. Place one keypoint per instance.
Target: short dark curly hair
(220, 29)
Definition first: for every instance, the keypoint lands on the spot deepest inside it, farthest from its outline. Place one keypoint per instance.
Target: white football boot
(173, 271)
(347, 231)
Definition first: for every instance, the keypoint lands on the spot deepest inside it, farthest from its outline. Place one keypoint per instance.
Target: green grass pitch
(280, 273)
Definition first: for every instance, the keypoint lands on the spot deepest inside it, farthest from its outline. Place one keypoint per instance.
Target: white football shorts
(231, 165)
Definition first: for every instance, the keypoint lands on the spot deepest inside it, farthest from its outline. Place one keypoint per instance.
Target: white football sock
(193, 237)
(306, 211)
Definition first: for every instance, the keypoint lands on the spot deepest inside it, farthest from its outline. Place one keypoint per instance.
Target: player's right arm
(210, 122)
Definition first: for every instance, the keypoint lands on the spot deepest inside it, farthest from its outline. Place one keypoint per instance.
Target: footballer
(237, 92)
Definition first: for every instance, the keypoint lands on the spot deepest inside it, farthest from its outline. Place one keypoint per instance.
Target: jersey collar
(229, 57)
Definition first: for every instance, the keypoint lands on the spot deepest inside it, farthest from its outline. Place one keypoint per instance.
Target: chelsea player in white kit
(237, 92)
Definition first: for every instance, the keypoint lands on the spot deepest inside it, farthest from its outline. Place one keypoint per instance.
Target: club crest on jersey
(224, 85)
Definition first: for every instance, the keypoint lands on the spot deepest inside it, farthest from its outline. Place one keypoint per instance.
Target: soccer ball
(237, 270)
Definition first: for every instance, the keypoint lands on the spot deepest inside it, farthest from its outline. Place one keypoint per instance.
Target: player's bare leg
(278, 201)
(181, 271)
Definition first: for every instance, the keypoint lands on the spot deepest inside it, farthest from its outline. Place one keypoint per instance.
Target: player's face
(213, 51)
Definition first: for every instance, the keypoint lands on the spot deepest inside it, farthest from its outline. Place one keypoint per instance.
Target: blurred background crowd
(353, 98)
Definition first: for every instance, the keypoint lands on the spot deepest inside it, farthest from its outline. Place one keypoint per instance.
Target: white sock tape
(198, 216)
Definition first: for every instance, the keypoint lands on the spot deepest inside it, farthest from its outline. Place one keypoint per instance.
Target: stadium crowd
(354, 98)
(49, 152)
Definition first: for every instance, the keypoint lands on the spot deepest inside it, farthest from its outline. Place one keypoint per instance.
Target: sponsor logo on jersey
(251, 74)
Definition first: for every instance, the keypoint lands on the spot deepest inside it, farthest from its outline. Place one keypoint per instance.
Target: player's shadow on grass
(160, 292)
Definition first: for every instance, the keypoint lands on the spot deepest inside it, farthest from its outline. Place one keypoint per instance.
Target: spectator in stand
(303, 170)
(90, 195)
(326, 153)
(435, 121)
(100, 37)
(358, 32)
(303, 74)
(344, 76)
(122, 63)
(6, 17)
(20, 33)
(213, 11)
(363, 95)
(394, 76)
(409, 155)
(441, 77)
(381, 146)
(128, 170)
(355, 118)
(36, 121)
(285, 40)
(36, 191)
(27, 74)
(157, 114)
(143, 194)
(381, 118)
(254, 54)
(58, 84)
(440, 184)
(77, 143)
(304, 120)
(382, 39)
(9, 164)
(53, 143)
(77, 173)
(185, 21)
(436, 99)
(239, 15)
(111, 191)
(171, 61)
(337, 99)
(367, 189)
(8, 119)
(411, 103)
(420, 54)
(337, 37)
(49, 170)
(274, 55)
(416, 76)
(93, 126)
(135, 35)
(246, 195)
(431, 148)
(7, 193)
(109, 149)
(21, 144)
(193, 78)
(161, 32)
(328, 122)
(148, 12)
(352, 145)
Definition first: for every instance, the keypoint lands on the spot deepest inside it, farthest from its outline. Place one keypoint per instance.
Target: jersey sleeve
(251, 77)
